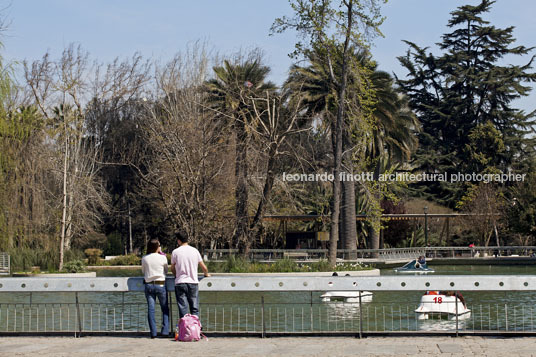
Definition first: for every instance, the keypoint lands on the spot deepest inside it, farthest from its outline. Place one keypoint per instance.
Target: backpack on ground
(189, 328)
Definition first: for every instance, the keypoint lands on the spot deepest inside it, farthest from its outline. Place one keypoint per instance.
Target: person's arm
(165, 265)
(173, 263)
(204, 268)
(143, 266)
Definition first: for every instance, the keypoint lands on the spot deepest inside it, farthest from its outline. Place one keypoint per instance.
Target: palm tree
(235, 83)
(391, 135)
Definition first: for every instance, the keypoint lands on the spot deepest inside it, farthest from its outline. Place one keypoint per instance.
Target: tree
(333, 28)
(274, 119)
(186, 166)
(59, 89)
(236, 81)
(461, 89)
(379, 125)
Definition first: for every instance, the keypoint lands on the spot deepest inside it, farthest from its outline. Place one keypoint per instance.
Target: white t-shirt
(154, 267)
(186, 260)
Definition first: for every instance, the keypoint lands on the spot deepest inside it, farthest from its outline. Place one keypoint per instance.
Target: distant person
(184, 263)
(154, 267)
(421, 260)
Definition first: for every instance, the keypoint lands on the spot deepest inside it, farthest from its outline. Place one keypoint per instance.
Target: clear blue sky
(160, 28)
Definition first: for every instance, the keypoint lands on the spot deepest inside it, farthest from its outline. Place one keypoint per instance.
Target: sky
(160, 28)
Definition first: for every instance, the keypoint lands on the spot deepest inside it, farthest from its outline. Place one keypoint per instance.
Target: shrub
(74, 266)
(284, 266)
(23, 259)
(130, 259)
(93, 255)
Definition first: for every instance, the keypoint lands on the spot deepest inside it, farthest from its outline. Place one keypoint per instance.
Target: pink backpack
(189, 329)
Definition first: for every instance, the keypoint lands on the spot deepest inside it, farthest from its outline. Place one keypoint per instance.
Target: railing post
(170, 304)
(263, 334)
(78, 317)
(311, 310)
(456, 302)
(360, 317)
(122, 311)
(506, 317)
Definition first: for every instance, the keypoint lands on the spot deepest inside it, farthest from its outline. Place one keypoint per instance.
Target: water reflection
(441, 324)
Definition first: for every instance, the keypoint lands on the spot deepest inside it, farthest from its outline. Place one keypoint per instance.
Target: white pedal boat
(435, 304)
(346, 296)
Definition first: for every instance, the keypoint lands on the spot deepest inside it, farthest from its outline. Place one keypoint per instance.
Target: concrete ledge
(90, 274)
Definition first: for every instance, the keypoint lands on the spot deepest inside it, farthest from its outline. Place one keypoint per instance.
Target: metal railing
(379, 254)
(267, 305)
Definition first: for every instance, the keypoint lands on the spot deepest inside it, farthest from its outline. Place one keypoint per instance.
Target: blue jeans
(152, 292)
(187, 296)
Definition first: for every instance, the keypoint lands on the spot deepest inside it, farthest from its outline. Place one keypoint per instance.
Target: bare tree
(59, 90)
(273, 119)
(188, 166)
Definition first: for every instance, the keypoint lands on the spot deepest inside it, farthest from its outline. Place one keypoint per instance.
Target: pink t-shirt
(186, 260)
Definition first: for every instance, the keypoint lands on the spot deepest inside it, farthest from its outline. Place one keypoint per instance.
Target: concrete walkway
(287, 346)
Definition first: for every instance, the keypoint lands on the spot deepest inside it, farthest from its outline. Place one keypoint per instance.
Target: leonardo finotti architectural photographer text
(407, 177)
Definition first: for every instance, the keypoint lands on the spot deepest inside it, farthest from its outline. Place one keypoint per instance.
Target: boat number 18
(438, 300)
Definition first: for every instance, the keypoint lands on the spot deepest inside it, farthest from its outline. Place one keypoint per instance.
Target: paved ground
(287, 346)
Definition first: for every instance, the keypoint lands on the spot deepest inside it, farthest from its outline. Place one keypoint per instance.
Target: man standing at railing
(184, 264)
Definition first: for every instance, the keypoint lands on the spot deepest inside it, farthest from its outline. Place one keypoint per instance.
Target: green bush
(130, 259)
(74, 266)
(93, 255)
(23, 259)
(285, 266)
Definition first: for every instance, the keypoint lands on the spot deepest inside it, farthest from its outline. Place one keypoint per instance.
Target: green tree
(334, 27)
(235, 83)
(464, 90)
(384, 127)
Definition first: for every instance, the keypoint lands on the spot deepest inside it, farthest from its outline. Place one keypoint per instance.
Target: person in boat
(452, 293)
(421, 260)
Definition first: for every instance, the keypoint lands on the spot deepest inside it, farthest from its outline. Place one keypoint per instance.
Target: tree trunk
(337, 143)
(375, 219)
(267, 190)
(64, 210)
(241, 191)
(374, 239)
(349, 227)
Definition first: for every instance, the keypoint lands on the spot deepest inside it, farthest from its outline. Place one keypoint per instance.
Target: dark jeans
(152, 292)
(187, 296)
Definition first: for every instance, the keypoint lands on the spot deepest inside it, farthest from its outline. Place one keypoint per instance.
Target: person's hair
(152, 246)
(181, 236)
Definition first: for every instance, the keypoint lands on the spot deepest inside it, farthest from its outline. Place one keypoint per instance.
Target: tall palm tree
(230, 91)
(392, 133)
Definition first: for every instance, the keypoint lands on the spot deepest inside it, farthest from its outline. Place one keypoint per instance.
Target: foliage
(93, 255)
(463, 98)
(240, 265)
(129, 259)
(231, 94)
(521, 210)
(74, 266)
(333, 30)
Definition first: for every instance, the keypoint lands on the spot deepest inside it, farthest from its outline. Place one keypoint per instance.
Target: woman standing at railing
(154, 267)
